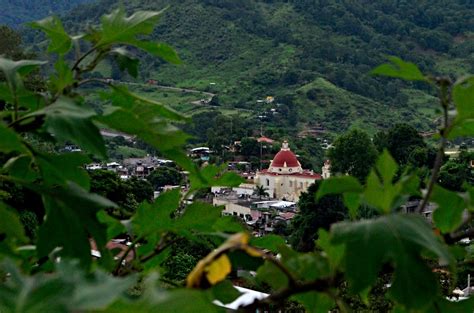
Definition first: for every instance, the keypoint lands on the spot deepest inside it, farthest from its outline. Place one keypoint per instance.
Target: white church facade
(285, 179)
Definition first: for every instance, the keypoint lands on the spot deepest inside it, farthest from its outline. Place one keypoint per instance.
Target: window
(290, 170)
(268, 182)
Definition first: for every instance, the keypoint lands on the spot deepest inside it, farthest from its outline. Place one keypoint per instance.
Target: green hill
(16, 12)
(246, 50)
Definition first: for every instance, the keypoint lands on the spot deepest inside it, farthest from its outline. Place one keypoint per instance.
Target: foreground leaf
(10, 141)
(398, 239)
(69, 289)
(71, 121)
(448, 214)
(71, 219)
(315, 302)
(399, 69)
(61, 42)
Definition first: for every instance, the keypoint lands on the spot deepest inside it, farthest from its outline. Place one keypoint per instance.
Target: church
(285, 179)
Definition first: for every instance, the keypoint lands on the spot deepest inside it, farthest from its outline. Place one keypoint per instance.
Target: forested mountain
(313, 55)
(16, 12)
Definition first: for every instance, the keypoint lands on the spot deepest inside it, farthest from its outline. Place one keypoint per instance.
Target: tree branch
(455, 237)
(444, 95)
(318, 285)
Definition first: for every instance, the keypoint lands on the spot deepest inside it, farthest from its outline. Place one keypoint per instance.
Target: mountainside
(16, 12)
(314, 56)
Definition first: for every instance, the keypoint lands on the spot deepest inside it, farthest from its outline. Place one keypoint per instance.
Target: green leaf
(10, 141)
(304, 266)
(63, 78)
(68, 289)
(228, 224)
(399, 240)
(462, 128)
(92, 293)
(399, 69)
(348, 186)
(463, 97)
(156, 218)
(21, 167)
(448, 214)
(14, 70)
(32, 294)
(146, 119)
(381, 193)
(160, 50)
(334, 253)
(181, 300)
(315, 302)
(213, 175)
(338, 185)
(225, 292)
(71, 220)
(117, 28)
(126, 61)
(272, 275)
(270, 242)
(114, 227)
(10, 225)
(70, 121)
(58, 169)
(199, 216)
(61, 42)
(25, 98)
(144, 108)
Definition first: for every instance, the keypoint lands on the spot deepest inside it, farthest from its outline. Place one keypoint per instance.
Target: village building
(285, 179)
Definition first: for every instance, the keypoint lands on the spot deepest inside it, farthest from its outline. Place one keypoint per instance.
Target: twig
(159, 248)
(292, 281)
(78, 61)
(444, 95)
(455, 237)
(318, 285)
(124, 256)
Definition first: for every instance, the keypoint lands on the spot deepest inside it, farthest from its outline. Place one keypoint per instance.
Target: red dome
(285, 156)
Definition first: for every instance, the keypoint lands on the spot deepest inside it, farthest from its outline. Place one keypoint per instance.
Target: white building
(285, 178)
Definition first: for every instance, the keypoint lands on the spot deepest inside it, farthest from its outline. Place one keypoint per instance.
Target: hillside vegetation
(16, 12)
(249, 49)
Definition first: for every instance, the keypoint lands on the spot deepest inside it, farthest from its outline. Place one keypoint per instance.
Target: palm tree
(261, 191)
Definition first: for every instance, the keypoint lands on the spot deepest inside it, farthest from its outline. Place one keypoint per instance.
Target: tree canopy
(354, 154)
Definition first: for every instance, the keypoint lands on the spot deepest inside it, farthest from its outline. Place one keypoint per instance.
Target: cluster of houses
(139, 167)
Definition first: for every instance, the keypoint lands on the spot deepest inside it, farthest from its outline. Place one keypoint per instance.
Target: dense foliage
(16, 12)
(314, 56)
(55, 272)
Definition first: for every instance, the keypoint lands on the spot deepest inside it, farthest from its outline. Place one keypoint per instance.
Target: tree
(314, 215)
(261, 191)
(380, 141)
(163, 176)
(402, 139)
(249, 147)
(10, 42)
(353, 154)
(457, 171)
(126, 194)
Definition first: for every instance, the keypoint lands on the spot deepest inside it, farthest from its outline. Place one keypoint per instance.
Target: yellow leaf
(253, 252)
(218, 270)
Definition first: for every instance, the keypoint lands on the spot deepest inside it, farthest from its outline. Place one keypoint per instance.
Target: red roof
(265, 139)
(285, 156)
